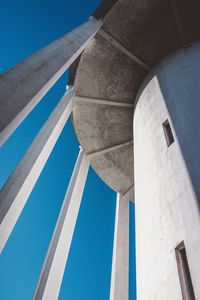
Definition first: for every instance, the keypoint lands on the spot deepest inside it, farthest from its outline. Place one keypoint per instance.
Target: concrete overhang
(135, 36)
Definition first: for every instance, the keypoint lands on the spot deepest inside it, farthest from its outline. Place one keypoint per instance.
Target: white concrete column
(120, 262)
(23, 86)
(53, 269)
(15, 192)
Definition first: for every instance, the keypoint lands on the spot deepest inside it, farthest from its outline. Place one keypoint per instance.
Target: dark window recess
(184, 273)
(168, 133)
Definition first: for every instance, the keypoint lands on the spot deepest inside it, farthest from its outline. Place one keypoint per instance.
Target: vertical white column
(53, 269)
(120, 262)
(23, 86)
(15, 192)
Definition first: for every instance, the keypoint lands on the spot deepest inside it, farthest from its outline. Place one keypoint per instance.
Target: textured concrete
(53, 270)
(15, 192)
(120, 261)
(115, 172)
(98, 126)
(167, 207)
(23, 86)
(135, 36)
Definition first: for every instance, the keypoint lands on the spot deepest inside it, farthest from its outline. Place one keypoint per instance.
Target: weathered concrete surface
(118, 173)
(23, 86)
(117, 120)
(106, 73)
(15, 192)
(147, 29)
(98, 126)
(53, 270)
(167, 178)
(120, 261)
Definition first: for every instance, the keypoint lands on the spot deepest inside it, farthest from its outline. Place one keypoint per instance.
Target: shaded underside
(135, 36)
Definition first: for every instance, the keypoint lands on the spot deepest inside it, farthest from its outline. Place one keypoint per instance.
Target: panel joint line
(94, 154)
(85, 99)
(107, 36)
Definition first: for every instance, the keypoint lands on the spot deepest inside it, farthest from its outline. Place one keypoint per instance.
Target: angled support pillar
(53, 269)
(15, 192)
(120, 261)
(23, 86)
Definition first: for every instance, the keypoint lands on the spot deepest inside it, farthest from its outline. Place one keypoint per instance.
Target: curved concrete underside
(135, 36)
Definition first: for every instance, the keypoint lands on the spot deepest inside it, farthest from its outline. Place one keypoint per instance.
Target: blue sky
(26, 26)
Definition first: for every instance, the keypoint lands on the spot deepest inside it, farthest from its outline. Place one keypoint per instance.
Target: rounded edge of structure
(167, 176)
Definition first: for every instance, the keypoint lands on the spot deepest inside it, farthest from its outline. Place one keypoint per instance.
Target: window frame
(184, 272)
(169, 137)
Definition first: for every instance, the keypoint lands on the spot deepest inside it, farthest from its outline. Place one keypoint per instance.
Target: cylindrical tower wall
(167, 178)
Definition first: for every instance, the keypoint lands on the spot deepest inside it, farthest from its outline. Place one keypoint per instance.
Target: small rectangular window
(184, 273)
(168, 133)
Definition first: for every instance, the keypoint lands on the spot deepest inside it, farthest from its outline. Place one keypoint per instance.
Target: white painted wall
(167, 208)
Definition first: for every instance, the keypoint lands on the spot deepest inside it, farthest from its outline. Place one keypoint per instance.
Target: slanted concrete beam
(91, 155)
(23, 86)
(120, 262)
(120, 47)
(52, 273)
(18, 187)
(102, 101)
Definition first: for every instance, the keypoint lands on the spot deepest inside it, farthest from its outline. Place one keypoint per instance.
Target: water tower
(133, 96)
